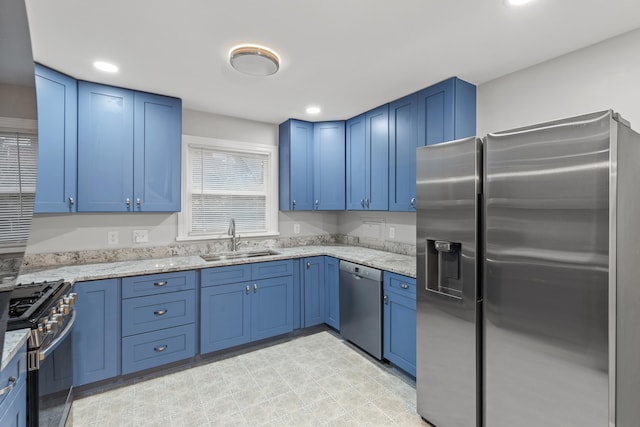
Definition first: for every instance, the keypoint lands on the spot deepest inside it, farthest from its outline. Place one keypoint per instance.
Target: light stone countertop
(396, 263)
(13, 341)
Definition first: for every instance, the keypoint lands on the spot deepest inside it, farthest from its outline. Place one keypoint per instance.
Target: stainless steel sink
(238, 255)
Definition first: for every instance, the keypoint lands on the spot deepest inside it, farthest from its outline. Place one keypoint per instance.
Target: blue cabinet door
(271, 307)
(377, 159)
(403, 141)
(399, 321)
(356, 188)
(105, 148)
(57, 97)
(314, 291)
(332, 292)
(329, 166)
(15, 413)
(296, 165)
(157, 153)
(225, 315)
(446, 111)
(96, 332)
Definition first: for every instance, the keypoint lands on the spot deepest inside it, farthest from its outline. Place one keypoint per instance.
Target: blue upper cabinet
(157, 152)
(368, 160)
(105, 148)
(120, 131)
(312, 162)
(296, 165)
(403, 141)
(356, 158)
(446, 111)
(328, 166)
(57, 96)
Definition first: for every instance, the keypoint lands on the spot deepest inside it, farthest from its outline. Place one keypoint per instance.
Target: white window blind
(18, 173)
(226, 184)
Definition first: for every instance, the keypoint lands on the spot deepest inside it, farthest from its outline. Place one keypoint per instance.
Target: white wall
(599, 77)
(377, 227)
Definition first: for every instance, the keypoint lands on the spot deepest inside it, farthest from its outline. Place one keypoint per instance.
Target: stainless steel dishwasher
(361, 306)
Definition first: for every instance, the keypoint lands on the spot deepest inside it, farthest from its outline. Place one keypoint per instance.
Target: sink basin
(238, 255)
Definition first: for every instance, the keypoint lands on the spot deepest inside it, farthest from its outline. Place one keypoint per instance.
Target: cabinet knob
(317, 202)
(366, 201)
(293, 204)
(127, 202)
(308, 265)
(413, 202)
(138, 202)
(71, 202)
(255, 288)
(386, 300)
(362, 202)
(247, 290)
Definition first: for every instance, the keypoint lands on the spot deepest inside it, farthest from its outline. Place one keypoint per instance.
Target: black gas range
(47, 309)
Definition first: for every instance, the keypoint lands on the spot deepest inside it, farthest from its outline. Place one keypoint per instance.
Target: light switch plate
(296, 228)
(112, 237)
(392, 232)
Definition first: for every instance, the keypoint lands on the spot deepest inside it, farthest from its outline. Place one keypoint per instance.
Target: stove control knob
(53, 311)
(64, 309)
(52, 326)
(71, 299)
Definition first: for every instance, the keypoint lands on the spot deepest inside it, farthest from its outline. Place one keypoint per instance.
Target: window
(224, 180)
(18, 172)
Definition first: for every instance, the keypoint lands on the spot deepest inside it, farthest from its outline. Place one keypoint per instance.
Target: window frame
(271, 191)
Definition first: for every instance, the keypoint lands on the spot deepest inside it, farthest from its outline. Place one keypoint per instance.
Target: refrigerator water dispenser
(443, 267)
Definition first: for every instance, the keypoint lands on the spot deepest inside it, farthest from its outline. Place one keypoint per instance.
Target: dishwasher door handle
(355, 276)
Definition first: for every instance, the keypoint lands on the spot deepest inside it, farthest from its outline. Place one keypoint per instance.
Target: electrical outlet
(392, 232)
(296, 228)
(112, 237)
(140, 236)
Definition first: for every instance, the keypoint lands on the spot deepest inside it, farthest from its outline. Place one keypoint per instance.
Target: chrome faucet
(235, 240)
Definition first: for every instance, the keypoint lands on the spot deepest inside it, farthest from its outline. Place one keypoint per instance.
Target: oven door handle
(67, 330)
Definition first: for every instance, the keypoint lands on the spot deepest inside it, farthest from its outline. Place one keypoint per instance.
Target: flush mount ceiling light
(254, 60)
(313, 110)
(105, 66)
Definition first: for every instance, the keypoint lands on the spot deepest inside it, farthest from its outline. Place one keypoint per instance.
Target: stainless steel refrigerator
(528, 270)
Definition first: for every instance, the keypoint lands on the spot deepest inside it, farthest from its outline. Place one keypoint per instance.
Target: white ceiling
(346, 56)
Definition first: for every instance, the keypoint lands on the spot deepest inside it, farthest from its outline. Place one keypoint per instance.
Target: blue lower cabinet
(399, 334)
(96, 332)
(271, 307)
(225, 315)
(14, 413)
(332, 292)
(157, 348)
(314, 291)
(13, 381)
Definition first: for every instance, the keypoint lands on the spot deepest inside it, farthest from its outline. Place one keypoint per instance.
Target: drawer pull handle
(160, 284)
(160, 349)
(7, 389)
(160, 312)
(404, 286)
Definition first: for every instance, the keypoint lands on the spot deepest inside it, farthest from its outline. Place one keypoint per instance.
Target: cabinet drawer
(224, 275)
(157, 348)
(156, 312)
(15, 373)
(13, 412)
(265, 270)
(402, 284)
(158, 283)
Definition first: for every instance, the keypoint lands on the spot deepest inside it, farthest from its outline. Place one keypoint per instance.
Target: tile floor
(313, 380)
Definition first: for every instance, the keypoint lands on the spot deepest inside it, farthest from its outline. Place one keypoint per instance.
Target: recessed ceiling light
(254, 60)
(105, 66)
(517, 2)
(313, 110)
